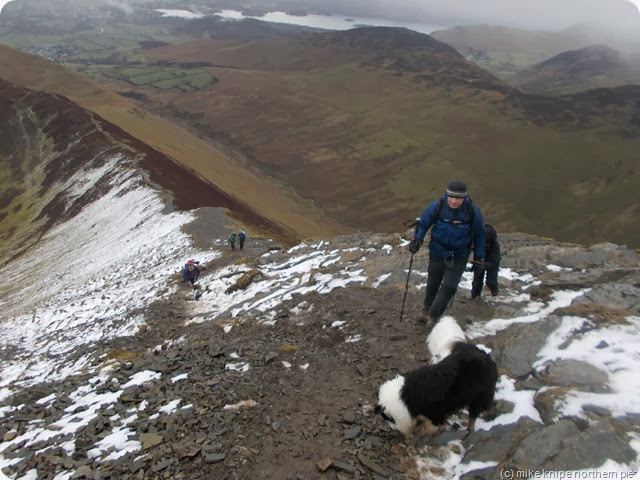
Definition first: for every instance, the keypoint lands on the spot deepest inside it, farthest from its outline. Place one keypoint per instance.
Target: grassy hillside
(264, 196)
(375, 126)
(370, 124)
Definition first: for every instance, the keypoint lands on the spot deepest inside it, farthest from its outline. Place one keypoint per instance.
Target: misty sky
(533, 14)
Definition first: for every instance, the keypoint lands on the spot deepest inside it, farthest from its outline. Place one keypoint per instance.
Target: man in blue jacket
(458, 227)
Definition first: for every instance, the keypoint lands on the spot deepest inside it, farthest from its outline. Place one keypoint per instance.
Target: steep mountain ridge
(293, 214)
(48, 145)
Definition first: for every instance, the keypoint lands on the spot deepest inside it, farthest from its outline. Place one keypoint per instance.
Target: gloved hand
(414, 245)
(478, 264)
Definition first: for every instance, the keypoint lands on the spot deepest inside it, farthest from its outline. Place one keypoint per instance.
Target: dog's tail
(443, 338)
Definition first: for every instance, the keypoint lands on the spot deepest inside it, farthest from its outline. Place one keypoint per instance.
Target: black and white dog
(460, 376)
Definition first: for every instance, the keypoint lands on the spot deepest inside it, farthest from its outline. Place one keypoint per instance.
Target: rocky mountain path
(292, 397)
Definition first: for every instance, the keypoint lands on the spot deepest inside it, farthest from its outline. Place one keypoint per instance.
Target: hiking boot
(431, 322)
(474, 295)
(494, 291)
(424, 316)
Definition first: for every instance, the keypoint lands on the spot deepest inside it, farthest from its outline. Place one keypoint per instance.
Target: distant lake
(328, 22)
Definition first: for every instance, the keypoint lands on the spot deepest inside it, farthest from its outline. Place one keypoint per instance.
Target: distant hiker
(190, 273)
(232, 240)
(457, 229)
(491, 265)
(241, 238)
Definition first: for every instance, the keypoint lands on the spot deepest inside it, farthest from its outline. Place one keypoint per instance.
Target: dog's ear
(378, 410)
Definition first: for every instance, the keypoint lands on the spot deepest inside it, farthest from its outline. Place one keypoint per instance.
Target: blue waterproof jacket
(186, 272)
(452, 231)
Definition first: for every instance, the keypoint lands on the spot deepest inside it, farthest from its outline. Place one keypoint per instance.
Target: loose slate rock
(324, 464)
(149, 440)
(214, 458)
(352, 433)
(187, 451)
(374, 467)
(344, 466)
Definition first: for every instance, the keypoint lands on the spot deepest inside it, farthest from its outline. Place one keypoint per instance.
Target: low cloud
(531, 14)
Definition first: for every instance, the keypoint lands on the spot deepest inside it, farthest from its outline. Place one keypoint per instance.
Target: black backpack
(492, 235)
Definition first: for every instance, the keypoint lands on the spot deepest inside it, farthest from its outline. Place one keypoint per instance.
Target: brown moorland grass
(372, 140)
(265, 196)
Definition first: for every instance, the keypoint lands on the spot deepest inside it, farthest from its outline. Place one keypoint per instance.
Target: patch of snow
(118, 443)
(237, 367)
(177, 378)
(170, 407)
(618, 359)
(536, 311)
(380, 279)
(522, 405)
(142, 377)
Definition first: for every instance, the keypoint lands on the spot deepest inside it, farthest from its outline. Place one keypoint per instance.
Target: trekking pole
(406, 287)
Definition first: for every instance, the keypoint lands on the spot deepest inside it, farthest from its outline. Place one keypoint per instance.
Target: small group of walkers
(457, 229)
(191, 270)
(240, 236)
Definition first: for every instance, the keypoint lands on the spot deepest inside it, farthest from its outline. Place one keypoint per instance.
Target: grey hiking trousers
(442, 283)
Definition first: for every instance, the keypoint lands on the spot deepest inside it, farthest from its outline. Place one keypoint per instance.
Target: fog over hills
(579, 70)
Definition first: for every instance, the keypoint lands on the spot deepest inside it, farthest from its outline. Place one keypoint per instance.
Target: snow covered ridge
(89, 278)
(96, 274)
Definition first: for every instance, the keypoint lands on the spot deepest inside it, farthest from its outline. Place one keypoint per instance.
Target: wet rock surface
(292, 397)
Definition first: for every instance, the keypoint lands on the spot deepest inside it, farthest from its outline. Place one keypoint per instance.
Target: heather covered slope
(265, 198)
(364, 127)
(372, 123)
(48, 146)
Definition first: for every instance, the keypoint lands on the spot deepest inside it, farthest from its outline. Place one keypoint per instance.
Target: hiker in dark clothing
(232, 240)
(190, 273)
(241, 238)
(457, 225)
(491, 265)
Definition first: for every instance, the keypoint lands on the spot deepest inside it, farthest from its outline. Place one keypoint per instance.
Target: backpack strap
(470, 210)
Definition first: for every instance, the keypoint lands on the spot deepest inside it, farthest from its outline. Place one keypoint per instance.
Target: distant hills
(578, 70)
(504, 51)
(370, 124)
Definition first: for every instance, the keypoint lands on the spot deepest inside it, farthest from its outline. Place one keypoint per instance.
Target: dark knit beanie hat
(457, 188)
